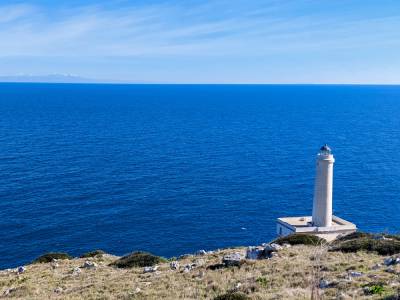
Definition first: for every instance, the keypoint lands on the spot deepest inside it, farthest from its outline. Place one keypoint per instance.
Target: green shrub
(232, 296)
(48, 257)
(93, 254)
(262, 281)
(374, 289)
(300, 239)
(382, 247)
(375, 236)
(138, 259)
(354, 235)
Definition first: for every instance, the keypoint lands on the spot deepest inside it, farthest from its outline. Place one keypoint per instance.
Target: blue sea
(176, 168)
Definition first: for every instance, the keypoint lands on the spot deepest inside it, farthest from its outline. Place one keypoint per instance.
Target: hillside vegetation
(361, 266)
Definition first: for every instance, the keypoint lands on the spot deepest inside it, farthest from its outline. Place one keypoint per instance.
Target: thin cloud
(196, 30)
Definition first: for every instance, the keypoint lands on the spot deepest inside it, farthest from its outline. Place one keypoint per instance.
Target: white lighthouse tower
(322, 205)
(322, 222)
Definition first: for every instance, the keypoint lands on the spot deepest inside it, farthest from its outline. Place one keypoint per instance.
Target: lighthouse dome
(325, 149)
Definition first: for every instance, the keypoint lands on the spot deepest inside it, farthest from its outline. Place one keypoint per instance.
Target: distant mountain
(51, 78)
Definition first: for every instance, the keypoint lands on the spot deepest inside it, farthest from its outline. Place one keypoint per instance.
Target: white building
(322, 223)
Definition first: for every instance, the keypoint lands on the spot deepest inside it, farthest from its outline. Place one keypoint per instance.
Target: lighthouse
(322, 223)
(322, 204)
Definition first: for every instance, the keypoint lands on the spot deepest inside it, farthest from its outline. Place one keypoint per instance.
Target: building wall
(283, 230)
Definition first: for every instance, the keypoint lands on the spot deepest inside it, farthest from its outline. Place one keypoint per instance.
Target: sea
(172, 169)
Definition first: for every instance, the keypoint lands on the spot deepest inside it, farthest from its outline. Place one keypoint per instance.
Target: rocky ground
(264, 272)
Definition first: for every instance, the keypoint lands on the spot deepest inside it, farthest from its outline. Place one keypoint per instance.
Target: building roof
(326, 148)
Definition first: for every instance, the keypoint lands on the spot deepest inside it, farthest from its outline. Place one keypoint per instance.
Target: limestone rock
(54, 264)
(254, 253)
(355, 274)
(273, 254)
(89, 265)
(76, 271)
(150, 269)
(187, 268)
(234, 259)
(323, 284)
(388, 261)
(270, 248)
(174, 265)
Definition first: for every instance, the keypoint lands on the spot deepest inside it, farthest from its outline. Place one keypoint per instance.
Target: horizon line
(194, 83)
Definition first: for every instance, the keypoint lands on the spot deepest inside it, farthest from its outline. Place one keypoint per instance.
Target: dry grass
(295, 274)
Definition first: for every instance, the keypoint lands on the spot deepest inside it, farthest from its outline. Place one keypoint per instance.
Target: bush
(374, 289)
(375, 236)
(354, 235)
(93, 254)
(138, 259)
(300, 239)
(48, 257)
(262, 281)
(367, 242)
(232, 296)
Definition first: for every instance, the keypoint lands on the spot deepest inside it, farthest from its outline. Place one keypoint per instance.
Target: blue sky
(222, 41)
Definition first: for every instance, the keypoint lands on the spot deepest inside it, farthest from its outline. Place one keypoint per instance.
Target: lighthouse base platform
(303, 225)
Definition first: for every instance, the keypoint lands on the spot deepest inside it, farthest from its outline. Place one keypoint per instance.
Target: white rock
(150, 269)
(58, 290)
(233, 259)
(274, 254)
(76, 271)
(286, 245)
(388, 261)
(355, 274)
(137, 290)
(89, 265)
(382, 237)
(201, 252)
(7, 292)
(273, 247)
(54, 265)
(188, 268)
(254, 253)
(174, 265)
(323, 284)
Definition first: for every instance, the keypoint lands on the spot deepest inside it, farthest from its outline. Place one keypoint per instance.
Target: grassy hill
(318, 271)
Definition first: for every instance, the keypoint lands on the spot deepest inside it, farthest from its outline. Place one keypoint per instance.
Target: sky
(193, 41)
